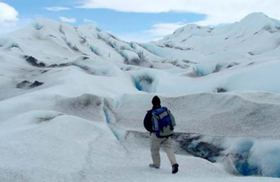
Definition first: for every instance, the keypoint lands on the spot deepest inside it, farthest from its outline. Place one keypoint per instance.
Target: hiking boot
(153, 166)
(175, 168)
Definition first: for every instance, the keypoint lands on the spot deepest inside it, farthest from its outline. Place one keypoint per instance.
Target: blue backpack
(163, 122)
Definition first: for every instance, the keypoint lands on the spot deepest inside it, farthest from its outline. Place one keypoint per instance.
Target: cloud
(156, 32)
(140, 37)
(57, 8)
(8, 18)
(216, 11)
(13, 26)
(161, 29)
(89, 21)
(8, 14)
(68, 20)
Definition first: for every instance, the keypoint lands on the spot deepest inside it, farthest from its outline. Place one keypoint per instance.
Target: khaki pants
(166, 144)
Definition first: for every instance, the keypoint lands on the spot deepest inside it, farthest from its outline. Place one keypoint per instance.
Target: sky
(133, 20)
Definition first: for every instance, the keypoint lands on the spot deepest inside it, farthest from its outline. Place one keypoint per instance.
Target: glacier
(72, 102)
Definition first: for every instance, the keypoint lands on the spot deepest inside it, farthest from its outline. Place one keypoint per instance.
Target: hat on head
(156, 101)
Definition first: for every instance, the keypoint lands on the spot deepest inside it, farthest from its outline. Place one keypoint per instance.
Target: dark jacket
(148, 119)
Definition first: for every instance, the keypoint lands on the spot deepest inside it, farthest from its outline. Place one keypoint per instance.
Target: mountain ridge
(191, 42)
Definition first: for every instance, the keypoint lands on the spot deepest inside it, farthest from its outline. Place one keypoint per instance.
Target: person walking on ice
(160, 122)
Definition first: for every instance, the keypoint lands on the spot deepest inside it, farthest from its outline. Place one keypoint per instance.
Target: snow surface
(70, 95)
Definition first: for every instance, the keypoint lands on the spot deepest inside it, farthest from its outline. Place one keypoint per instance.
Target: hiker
(160, 123)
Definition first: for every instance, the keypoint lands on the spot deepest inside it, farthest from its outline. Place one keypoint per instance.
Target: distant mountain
(55, 43)
(255, 35)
